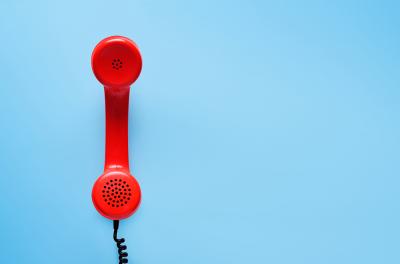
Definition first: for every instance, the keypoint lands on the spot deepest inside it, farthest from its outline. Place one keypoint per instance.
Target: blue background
(261, 132)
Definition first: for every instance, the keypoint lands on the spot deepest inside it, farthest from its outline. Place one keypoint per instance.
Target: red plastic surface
(116, 63)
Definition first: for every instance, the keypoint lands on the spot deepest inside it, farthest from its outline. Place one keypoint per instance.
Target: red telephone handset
(116, 63)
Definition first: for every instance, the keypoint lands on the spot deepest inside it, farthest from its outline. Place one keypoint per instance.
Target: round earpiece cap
(116, 61)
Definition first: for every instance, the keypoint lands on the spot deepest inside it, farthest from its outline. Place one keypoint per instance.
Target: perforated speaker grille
(117, 64)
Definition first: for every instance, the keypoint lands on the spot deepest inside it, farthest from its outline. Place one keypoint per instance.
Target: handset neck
(117, 107)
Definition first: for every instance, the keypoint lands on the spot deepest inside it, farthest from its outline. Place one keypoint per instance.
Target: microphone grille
(116, 192)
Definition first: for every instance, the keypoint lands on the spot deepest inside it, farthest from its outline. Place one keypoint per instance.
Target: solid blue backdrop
(260, 131)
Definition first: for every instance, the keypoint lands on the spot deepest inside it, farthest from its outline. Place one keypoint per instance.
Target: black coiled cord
(123, 256)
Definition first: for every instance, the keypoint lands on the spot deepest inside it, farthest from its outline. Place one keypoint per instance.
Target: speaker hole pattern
(116, 193)
(117, 64)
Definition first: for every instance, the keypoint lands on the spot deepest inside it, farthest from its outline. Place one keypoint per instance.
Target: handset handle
(117, 108)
